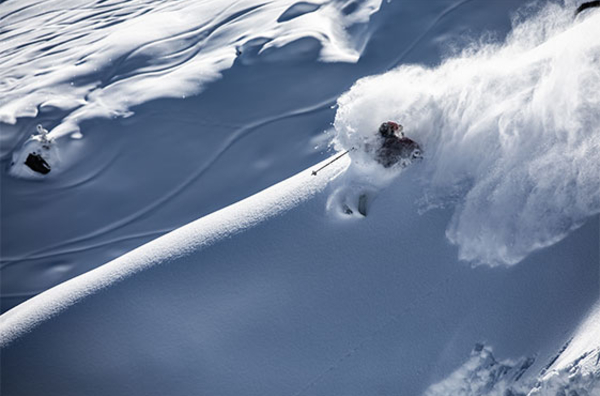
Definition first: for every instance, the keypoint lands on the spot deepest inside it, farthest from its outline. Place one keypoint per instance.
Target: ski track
(154, 233)
(240, 134)
(236, 137)
(386, 319)
(428, 30)
(66, 26)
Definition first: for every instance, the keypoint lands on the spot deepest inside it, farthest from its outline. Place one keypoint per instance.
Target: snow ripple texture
(511, 132)
(100, 59)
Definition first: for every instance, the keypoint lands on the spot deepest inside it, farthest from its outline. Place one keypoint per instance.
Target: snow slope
(113, 99)
(240, 302)
(103, 58)
(283, 293)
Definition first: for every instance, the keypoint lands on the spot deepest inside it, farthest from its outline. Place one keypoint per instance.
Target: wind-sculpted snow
(270, 295)
(100, 59)
(574, 371)
(159, 159)
(511, 132)
(124, 181)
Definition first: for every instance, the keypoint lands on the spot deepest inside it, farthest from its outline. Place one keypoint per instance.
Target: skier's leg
(362, 204)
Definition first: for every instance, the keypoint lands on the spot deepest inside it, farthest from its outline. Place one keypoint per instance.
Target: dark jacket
(395, 148)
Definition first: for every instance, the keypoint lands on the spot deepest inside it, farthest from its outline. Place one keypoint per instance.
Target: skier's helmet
(390, 128)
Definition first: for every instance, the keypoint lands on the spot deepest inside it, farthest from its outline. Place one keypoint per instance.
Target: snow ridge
(184, 241)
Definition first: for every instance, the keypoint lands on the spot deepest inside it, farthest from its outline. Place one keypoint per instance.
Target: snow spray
(512, 132)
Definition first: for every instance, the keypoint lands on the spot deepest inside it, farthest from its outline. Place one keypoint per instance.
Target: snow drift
(101, 59)
(511, 133)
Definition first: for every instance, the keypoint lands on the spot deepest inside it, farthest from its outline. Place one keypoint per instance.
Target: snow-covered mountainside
(240, 94)
(476, 271)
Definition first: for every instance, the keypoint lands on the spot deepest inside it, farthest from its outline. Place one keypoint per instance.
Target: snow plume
(510, 132)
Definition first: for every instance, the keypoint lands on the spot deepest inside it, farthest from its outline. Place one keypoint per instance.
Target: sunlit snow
(511, 130)
(99, 60)
(182, 243)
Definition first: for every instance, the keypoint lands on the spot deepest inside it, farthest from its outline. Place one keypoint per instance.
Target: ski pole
(314, 173)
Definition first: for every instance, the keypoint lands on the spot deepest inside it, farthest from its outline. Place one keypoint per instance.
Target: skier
(396, 148)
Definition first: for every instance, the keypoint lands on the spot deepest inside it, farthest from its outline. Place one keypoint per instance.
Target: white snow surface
(114, 83)
(239, 301)
(99, 59)
(275, 289)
